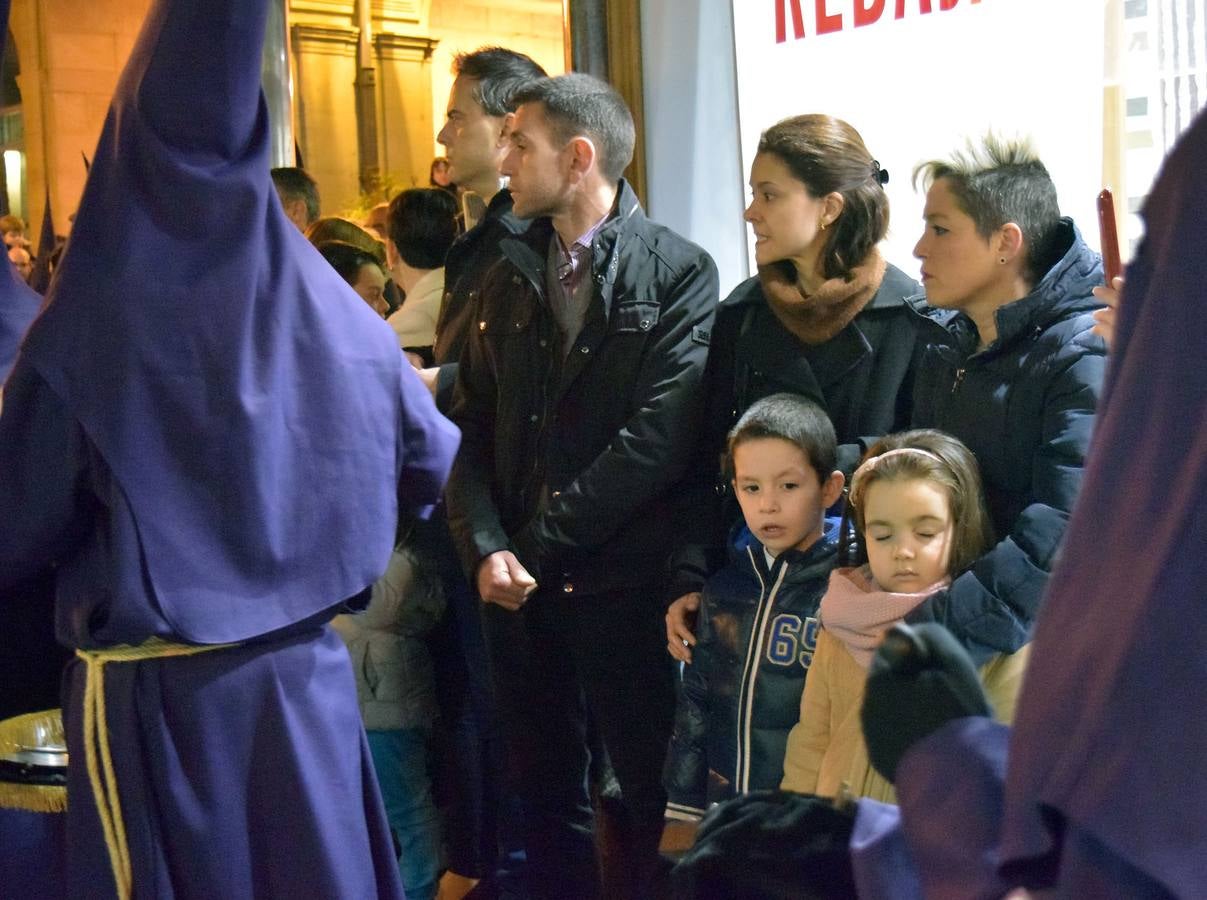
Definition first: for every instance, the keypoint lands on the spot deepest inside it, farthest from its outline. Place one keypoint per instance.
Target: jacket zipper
(754, 653)
(959, 377)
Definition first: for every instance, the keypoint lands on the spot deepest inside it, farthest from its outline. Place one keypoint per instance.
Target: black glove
(920, 679)
(769, 845)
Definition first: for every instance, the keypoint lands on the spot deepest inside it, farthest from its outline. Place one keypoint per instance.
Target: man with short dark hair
(299, 195)
(579, 395)
(480, 109)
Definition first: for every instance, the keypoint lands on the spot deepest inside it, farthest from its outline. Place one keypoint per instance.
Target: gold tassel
(38, 798)
(31, 730)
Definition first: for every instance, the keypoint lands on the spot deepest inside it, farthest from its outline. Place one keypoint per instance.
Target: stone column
(366, 100)
(277, 79)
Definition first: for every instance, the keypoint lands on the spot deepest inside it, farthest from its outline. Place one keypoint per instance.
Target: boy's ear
(831, 488)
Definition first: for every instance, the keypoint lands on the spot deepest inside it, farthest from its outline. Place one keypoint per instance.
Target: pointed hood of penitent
(244, 398)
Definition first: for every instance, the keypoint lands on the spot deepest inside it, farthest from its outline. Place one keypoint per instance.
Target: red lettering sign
(863, 12)
(868, 13)
(923, 7)
(798, 21)
(826, 22)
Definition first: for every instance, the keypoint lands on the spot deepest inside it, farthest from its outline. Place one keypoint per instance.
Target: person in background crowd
(360, 270)
(579, 396)
(920, 517)
(22, 262)
(396, 694)
(438, 175)
(12, 228)
(214, 461)
(421, 225)
(299, 195)
(825, 318)
(1011, 368)
(337, 228)
(758, 615)
(375, 220)
(1097, 790)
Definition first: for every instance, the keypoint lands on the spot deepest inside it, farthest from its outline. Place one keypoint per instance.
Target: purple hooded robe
(209, 437)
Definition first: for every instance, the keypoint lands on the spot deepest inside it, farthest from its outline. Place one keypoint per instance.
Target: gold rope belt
(101, 774)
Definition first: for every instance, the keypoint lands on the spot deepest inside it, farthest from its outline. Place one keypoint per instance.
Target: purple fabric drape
(1108, 733)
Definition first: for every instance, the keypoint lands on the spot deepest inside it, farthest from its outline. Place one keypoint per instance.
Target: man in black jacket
(481, 106)
(480, 109)
(579, 394)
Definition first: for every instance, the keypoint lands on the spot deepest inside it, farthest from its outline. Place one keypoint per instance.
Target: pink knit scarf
(857, 612)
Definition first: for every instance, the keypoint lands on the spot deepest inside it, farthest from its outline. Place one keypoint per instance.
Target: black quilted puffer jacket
(741, 694)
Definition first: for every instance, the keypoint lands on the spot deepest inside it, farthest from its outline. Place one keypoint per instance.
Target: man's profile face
(471, 138)
(539, 169)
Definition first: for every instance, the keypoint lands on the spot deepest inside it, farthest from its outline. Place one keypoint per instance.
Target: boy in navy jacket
(758, 617)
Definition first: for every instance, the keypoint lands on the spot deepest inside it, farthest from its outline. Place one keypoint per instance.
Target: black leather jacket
(469, 259)
(572, 462)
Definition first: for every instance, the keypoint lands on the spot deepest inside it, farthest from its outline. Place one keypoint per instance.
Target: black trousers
(564, 658)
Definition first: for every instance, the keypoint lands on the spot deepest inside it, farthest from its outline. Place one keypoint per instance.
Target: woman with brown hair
(336, 228)
(824, 318)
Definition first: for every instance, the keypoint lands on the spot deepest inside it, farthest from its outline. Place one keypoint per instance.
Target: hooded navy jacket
(741, 694)
(1025, 406)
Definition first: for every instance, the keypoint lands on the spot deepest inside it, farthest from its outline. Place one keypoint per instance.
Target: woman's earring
(1002, 260)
